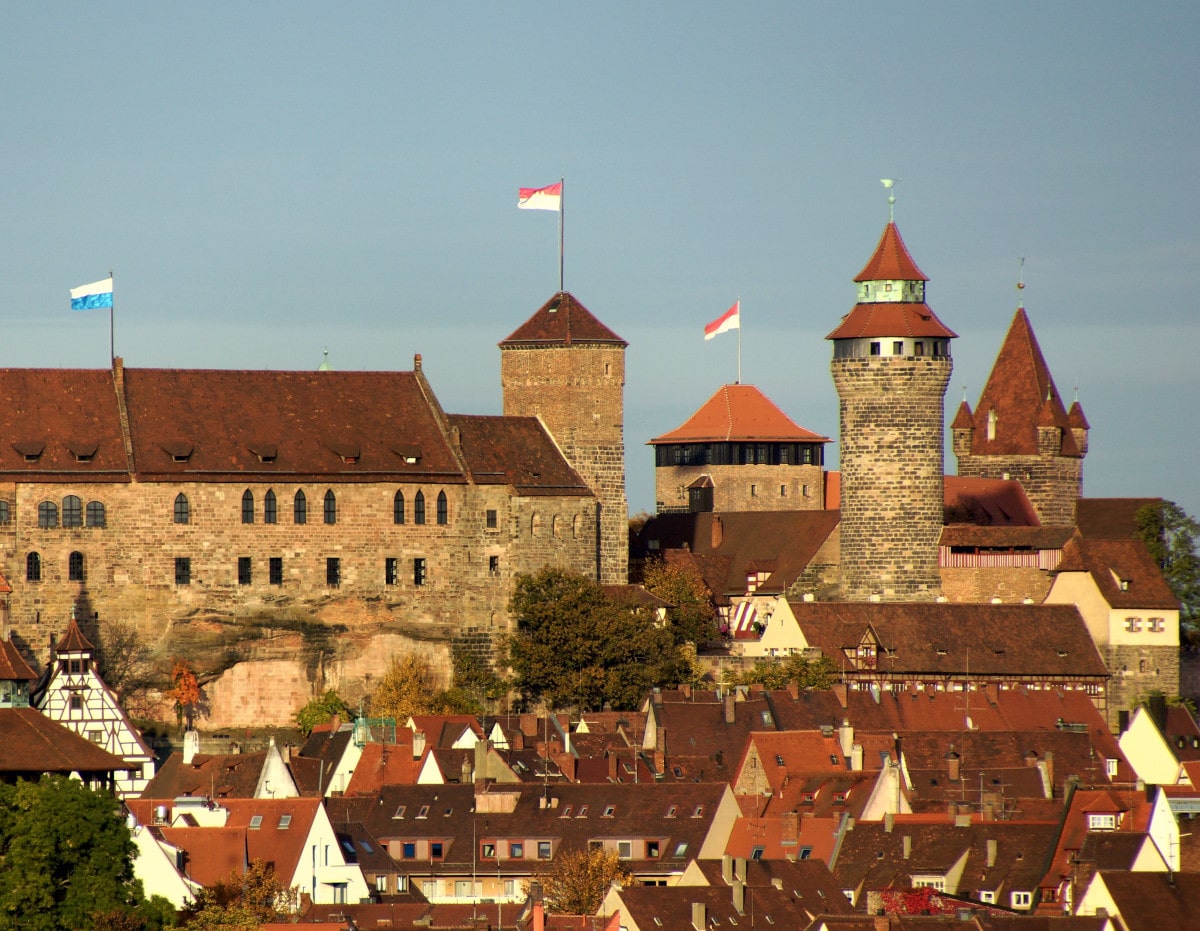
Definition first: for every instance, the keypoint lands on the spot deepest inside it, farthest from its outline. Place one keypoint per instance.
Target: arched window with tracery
(398, 508)
(247, 507)
(183, 510)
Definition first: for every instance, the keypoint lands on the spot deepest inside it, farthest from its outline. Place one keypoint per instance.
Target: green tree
(819, 673)
(574, 647)
(320, 710)
(476, 687)
(66, 859)
(1170, 534)
(693, 619)
(578, 881)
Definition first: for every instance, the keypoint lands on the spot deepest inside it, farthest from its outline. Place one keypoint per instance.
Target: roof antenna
(1021, 280)
(887, 183)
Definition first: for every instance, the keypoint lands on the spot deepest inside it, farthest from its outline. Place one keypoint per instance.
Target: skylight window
(424, 812)
(399, 812)
(285, 822)
(609, 810)
(256, 822)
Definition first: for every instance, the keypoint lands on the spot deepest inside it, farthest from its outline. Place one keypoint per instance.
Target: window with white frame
(1157, 625)
(1133, 625)
(1022, 899)
(1102, 822)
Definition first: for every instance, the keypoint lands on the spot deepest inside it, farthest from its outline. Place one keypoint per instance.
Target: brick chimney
(717, 533)
(729, 707)
(418, 745)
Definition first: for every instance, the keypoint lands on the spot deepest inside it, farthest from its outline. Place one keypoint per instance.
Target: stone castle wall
(1052, 483)
(979, 585)
(744, 487)
(578, 392)
(129, 564)
(892, 499)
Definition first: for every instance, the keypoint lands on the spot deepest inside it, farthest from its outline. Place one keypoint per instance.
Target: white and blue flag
(94, 295)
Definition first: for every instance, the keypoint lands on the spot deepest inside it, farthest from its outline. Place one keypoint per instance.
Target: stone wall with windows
(195, 575)
(743, 487)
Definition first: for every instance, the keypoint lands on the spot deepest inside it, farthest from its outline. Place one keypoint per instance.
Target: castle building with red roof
(739, 452)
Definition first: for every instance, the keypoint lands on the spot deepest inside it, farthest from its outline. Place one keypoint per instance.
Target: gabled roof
(1021, 395)
(891, 261)
(1123, 570)
(1110, 518)
(738, 413)
(516, 451)
(1151, 901)
(13, 667)
(73, 640)
(987, 501)
(215, 776)
(789, 538)
(211, 854)
(561, 321)
(979, 639)
(31, 744)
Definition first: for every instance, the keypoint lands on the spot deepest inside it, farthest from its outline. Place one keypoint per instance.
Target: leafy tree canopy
(243, 900)
(819, 673)
(321, 710)
(578, 881)
(66, 860)
(574, 647)
(693, 619)
(1170, 534)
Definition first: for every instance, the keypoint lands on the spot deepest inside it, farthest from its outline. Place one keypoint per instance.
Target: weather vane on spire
(887, 183)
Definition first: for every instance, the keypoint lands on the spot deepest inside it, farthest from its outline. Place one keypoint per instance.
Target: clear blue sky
(270, 179)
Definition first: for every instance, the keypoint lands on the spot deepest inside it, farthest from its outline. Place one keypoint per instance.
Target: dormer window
(179, 450)
(409, 453)
(265, 452)
(83, 450)
(30, 450)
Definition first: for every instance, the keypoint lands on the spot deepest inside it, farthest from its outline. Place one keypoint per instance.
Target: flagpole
(112, 351)
(739, 329)
(562, 221)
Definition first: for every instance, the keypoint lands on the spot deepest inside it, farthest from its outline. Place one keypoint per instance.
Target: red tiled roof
(212, 854)
(735, 413)
(987, 501)
(891, 260)
(516, 451)
(216, 776)
(1021, 393)
(1123, 570)
(30, 743)
(561, 321)
(12, 664)
(1110, 518)
(889, 319)
(73, 640)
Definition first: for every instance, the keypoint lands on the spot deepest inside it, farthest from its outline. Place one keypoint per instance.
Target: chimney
(953, 765)
(529, 724)
(790, 828)
(191, 746)
(991, 853)
(539, 910)
(729, 709)
(907, 842)
(612, 764)
(739, 897)
(856, 758)
(686, 690)
(699, 916)
(846, 736)
(1031, 758)
(481, 760)
(793, 688)
(739, 868)
(418, 745)
(468, 775)
(727, 869)
(889, 822)
(718, 532)
(839, 690)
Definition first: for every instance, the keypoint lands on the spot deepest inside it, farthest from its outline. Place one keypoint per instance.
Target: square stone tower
(566, 367)
(891, 365)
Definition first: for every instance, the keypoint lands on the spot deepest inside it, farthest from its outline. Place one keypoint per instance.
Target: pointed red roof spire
(1075, 417)
(1019, 396)
(891, 260)
(963, 420)
(73, 641)
(13, 667)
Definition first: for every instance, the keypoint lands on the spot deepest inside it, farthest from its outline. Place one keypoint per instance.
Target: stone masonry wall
(1052, 483)
(981, 585)
(745, 487)
(1137, 670)
(891, 463)
(130, 563)
(579, 393)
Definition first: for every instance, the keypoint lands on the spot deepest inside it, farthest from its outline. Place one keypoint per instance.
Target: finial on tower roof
(325, 366)
(1021, 279)
(888, 183)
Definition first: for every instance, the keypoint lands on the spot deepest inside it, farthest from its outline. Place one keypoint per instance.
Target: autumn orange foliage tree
(186, 692)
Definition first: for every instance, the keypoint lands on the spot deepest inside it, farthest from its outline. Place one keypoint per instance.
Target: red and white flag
(540, 198)
(730, 320)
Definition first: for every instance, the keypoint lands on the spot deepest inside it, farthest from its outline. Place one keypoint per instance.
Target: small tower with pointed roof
(1021, 430)
(567, 368)
(891, 366)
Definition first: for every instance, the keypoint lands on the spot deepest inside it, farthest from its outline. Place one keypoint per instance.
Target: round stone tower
(891, 365)
(566, 367)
